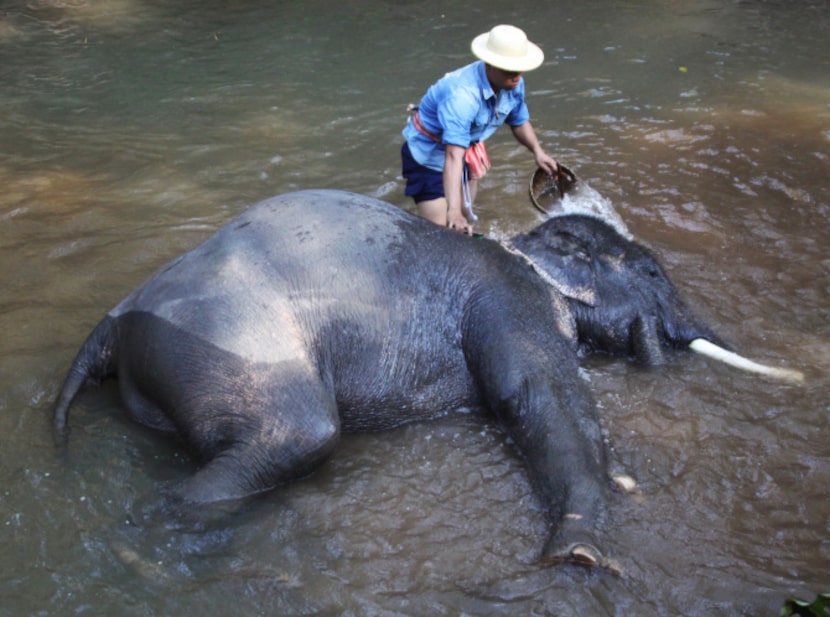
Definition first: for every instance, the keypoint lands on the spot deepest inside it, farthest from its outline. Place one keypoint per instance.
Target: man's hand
(547, 162)
(458, 222)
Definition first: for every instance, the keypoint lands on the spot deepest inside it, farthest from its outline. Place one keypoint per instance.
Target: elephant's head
(621, 298)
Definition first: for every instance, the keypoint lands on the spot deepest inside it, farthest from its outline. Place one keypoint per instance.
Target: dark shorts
(422, 183)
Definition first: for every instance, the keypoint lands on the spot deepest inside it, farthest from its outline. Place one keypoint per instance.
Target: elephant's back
(313, 255)
(287, 240)
(332, 240)
(321, 224)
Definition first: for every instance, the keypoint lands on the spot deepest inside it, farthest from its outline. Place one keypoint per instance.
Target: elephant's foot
(578, 547)
(625, 483)
(168, 509)
(578, 553)
(583, 554)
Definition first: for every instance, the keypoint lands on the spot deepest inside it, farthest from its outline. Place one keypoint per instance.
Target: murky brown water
(130, 129)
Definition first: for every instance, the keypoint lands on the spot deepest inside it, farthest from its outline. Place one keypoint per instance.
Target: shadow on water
(131, 129)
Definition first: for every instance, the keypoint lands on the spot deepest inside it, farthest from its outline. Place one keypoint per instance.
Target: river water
(131, 129)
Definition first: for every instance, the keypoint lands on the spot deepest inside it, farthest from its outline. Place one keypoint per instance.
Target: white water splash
(585, 200)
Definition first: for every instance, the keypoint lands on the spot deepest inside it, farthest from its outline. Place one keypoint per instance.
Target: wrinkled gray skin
(319, 312)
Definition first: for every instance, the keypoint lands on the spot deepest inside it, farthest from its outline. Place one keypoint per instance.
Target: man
(443, 155)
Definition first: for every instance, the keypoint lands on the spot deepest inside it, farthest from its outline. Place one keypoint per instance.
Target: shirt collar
(486, 89)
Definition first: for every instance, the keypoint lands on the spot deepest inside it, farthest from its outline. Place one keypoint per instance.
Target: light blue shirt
(461, 108)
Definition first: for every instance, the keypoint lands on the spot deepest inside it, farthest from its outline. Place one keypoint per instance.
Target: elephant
(321, 312)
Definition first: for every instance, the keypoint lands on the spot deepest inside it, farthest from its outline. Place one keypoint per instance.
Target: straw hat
(507, 48)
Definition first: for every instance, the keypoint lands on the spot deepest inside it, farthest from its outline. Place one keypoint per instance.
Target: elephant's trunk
(645, 341)
(706, 348)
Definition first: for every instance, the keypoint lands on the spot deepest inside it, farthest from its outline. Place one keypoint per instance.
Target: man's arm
(453, 175)
(526, 136)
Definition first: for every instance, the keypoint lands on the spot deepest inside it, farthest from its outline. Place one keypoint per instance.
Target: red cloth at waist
(478, 162)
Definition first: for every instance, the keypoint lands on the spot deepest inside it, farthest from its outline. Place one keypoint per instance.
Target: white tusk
(706, 348)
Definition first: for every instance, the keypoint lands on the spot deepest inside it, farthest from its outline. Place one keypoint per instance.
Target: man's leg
(434, 210)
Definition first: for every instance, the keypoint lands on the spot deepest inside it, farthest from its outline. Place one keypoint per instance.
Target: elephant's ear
(564, 260)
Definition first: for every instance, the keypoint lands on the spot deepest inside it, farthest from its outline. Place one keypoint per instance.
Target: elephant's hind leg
(253, 423)
(272, 435)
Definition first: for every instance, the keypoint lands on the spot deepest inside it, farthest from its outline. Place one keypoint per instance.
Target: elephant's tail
(95, 361)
